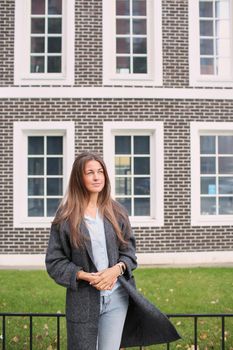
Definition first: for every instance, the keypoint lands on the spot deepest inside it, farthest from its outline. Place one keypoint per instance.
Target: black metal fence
(58, 316)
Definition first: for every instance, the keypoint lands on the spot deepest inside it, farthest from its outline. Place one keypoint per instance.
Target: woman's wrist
(121, 267)
(80, 275)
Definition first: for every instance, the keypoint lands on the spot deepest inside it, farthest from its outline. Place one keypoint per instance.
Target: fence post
(4, 332)
(195, 332)
(223, 333)
(30, 318)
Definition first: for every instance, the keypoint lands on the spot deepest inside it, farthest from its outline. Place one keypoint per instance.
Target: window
(212, 173)
(43, 53)
(211, 30)
(42, 161)
(45, 174)
(134, 155)
(132, 42)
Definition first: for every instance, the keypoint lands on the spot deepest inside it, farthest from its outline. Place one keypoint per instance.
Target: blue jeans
(113, 309)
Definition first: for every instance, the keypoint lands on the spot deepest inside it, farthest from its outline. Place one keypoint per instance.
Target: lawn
(176, 290)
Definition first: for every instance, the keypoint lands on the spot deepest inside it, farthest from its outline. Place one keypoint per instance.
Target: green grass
(178, 290)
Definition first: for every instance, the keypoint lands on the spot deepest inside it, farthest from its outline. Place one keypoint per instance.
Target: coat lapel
(87, 241)
(111, 242)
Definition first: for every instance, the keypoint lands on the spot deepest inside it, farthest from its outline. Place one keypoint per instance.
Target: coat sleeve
(127, 251)
(58, 259)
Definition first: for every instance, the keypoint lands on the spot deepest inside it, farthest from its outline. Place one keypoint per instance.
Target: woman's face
(93, 177)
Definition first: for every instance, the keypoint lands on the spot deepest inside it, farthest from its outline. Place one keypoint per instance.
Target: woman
(91, 252)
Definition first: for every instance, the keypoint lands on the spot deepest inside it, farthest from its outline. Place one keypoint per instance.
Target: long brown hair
(74, 203)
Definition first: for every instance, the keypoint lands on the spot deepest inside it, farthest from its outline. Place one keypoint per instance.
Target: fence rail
(58, 316)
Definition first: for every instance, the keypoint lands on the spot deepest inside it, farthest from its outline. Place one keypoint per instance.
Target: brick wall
(6, 42)
(89, 114)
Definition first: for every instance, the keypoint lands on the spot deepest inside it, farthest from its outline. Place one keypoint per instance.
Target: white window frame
(197, 129)
(21, 131)
(22, 75)
(155, 130)
(155, 75)
(195, 78)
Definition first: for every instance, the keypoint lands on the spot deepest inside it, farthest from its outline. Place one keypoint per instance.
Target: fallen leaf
(203, 336)
(15, 339)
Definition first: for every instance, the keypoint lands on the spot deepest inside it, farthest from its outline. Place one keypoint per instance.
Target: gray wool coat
(144, 325)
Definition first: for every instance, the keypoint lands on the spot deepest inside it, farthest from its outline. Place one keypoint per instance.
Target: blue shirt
(98, 242)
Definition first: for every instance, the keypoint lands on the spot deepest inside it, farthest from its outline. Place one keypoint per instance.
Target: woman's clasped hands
(102, 280)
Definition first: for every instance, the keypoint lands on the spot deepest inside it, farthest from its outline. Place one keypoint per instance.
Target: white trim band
(186, 258)
(115, 92)
(159, 259)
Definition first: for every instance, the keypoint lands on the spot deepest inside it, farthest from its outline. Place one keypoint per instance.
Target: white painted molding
(116, 92)
(33, 261)
(186, 258)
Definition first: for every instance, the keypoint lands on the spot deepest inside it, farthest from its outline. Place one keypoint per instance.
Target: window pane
(206, 46)
(35, 145)
(54, 25)
(52, 205)
(142, 186)
(37, 45)
(54, 145)
(206, 28)
(225, 144)
(207, 66)
(223, 28)
(54, 7)
(37, 7)
(141, 165)
(123, 45)
(142, 206)
(206, 8)
(54, 45)
(207, 144)
(37, 25)
(139, 7)
(35, 187)
(35, 166)
(54, 166)
(223, 47)
(37, 64)
(122, 7)
(139, 45)
(222, 9)
(208, 165)
(35, 207)
(208, 206)
(123, 186)
(226, 205)
(226, 185)
(126, 202)
(141, 144)
(54, 187)
(140, 65)
(208, 185)
(54, 64)
(123, 165)
(139, 26)
(122, 144)
(122, 26)
(123, 65)
(223, 66)
(226, 165)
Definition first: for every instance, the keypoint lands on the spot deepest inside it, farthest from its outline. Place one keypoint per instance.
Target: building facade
(148, 84)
